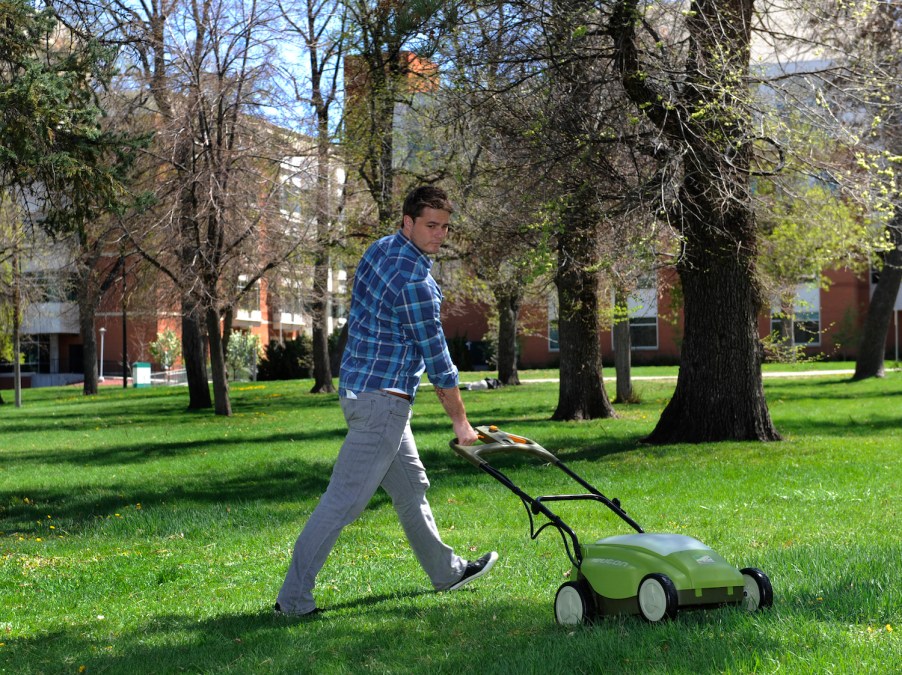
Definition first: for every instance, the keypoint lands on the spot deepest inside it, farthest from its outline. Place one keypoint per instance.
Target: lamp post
(102, 334)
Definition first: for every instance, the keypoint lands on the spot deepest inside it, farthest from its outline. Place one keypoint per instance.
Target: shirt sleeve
(419, 311)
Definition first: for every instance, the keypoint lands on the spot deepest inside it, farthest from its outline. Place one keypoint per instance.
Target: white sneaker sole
(493, 558)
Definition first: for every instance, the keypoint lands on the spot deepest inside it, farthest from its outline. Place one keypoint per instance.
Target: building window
(51, 286)
(806, 316)
(250, 300)
(298, 182)
(643, 314)
(643, 333)
(553, 336)
(292, 301)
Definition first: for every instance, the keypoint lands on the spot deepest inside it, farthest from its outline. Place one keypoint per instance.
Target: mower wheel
(758, 592)
(658, 600)
(573, 603)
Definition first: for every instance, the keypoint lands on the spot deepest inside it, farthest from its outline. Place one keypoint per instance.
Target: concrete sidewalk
(636, 378)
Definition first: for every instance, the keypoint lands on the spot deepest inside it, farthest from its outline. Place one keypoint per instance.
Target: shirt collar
(408, 245)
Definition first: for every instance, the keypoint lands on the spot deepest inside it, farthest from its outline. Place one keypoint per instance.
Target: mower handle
(495, 441)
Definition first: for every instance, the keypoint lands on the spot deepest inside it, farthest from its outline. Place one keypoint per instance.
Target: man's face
(428, 230)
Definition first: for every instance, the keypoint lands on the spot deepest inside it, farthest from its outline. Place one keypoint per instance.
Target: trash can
(141, 374)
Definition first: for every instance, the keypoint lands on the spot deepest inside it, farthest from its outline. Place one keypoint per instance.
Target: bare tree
(387, 62)
(204, 72)
(319, 25)
(499, 233)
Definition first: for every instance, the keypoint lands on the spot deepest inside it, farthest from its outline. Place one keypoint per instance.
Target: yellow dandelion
(39, 539)
(889, 628)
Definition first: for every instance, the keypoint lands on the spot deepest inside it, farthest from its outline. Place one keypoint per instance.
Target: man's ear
(406, 224)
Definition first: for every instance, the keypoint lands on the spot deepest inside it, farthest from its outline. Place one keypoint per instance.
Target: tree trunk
(507, 300)
(719, 393)
(17, 356)
(872, 349)
(582, 395)
(386, 171)
(622, 350)
(86, 313)
(221, 403)
(194, 356)
(17, 327)
(322, 371)
(322, 368)
(335, 356)
(788, 328)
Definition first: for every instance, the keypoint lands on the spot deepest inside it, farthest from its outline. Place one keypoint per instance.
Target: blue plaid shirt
(394, 326)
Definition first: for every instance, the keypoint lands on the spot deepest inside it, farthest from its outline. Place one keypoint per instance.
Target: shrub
(166, 349)
(242, 354)
(289, 361)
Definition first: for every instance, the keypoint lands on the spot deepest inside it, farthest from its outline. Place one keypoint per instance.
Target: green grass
(136, 537)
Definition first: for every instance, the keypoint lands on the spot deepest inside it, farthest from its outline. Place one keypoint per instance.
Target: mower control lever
(495, 441)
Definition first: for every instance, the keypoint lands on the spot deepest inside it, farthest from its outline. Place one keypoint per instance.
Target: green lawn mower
(652, 575)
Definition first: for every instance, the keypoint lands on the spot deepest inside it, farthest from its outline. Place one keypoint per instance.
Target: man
(394, 334)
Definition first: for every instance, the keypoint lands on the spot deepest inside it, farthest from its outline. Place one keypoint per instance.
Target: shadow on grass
(849, 427)
(150, 406)
(149, 451)
(282, 477)
(839, 389)
(76, 510)
(401, 633)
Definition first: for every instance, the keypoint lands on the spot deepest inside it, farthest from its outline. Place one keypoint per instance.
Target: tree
(208, 72)
(11, 292)
(498, 238)
(538, 84)
(808, 226)
(871, 349)
(56, 156)
(635, 250)
(387, 62)
(166, 348)
(704, 118)
(844, 101)
(867, 36)
(243, 352)
(321, 31)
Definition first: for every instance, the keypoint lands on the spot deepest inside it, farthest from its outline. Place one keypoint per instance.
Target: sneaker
(475, 569)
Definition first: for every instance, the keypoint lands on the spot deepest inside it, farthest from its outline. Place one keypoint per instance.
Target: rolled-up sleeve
(419, 312)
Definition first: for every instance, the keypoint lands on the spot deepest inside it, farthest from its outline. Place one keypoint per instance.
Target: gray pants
(378, 450)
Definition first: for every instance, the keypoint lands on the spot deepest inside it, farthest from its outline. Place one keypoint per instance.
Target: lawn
(136, 537)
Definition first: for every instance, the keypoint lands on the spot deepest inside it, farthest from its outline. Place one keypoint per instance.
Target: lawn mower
(652, 575)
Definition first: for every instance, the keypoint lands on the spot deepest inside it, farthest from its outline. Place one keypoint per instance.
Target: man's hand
(464, 433)
(454, 406)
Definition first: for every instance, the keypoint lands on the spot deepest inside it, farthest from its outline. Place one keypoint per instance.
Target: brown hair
(426, 197)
